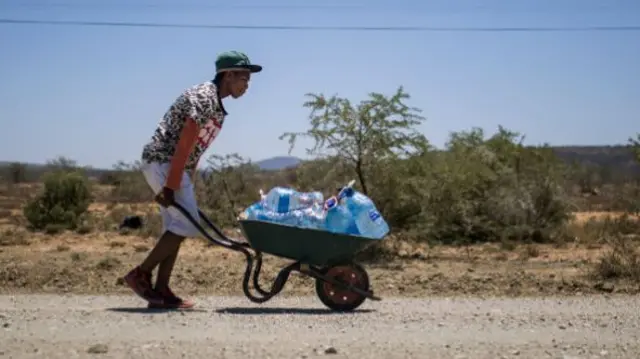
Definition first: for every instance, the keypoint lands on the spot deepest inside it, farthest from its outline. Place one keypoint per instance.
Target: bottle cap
(330, 203)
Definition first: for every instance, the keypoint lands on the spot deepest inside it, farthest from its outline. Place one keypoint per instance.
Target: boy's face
(238, 82)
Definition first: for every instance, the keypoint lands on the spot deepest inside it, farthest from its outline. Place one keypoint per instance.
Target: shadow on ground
(271, 311)
(143, 310)
(240, 311)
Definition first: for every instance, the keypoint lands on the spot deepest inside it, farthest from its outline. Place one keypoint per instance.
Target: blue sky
(95, 94)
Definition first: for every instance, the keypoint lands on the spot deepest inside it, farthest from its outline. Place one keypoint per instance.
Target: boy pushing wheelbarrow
(170, 159)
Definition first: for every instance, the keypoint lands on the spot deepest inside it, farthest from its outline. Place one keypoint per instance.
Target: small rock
(331, 350)
(604, 353)
(6, 325)
(562, 327)
(605, 287)
(515, 352)
(98, 349)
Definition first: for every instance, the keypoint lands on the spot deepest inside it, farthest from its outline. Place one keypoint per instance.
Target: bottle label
(283, 204)
(374, 215)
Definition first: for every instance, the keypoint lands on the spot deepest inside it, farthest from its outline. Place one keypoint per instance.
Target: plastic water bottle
(338, 219)
(310, 217)
(284, 200)
(302, 218)
(313, 217)
(367, 218)
(252, 212)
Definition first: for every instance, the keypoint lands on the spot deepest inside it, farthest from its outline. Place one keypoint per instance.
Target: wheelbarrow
(341, 284)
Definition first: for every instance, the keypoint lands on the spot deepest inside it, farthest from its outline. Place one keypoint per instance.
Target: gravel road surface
(44, 326)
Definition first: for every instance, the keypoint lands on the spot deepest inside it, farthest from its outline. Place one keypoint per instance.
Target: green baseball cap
(235, 60)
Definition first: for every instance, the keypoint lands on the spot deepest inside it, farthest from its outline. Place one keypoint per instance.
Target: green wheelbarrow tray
(309, 246)
(341, 284)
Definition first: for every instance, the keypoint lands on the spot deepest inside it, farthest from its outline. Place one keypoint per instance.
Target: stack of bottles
(349, 212)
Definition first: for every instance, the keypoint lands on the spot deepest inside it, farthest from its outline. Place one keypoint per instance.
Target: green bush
(66, 197)
(477, 190)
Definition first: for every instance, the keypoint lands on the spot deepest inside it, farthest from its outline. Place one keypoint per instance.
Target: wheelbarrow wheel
(340, 299)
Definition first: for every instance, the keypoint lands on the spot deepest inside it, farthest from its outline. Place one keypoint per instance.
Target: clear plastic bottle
(367, 218)
(311, 217)
(337, 218)
(252, 212)
(284, 200)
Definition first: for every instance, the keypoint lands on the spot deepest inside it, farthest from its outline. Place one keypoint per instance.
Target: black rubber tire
(341, 306)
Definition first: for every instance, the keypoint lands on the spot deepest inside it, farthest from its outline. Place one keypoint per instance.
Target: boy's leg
(164, 254)
(166, 248)
(180, 228)
(171, 300)
(166, 267)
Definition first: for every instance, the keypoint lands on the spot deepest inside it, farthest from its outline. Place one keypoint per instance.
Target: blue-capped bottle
(367, 218)
(337, 218)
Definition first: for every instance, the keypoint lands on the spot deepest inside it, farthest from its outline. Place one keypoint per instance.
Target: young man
(187, 129)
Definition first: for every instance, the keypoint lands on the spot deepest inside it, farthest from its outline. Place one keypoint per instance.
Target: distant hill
(273, 163)
(611, 160)
(278, 163)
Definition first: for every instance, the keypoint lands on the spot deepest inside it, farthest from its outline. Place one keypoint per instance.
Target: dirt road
(44, 326)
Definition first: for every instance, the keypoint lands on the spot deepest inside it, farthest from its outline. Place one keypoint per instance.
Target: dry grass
(71, 262)
(583, 217)
(75, 263)
(92, 259)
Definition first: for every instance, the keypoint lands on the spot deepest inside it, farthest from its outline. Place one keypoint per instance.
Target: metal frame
(254, 264)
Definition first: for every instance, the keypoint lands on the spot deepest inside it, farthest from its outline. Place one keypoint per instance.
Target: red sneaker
(140, 282)
(171, 301)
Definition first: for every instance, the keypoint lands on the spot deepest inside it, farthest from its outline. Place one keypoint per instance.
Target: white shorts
(172, 219)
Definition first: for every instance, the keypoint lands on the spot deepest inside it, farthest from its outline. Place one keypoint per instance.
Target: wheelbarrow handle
(224, 241)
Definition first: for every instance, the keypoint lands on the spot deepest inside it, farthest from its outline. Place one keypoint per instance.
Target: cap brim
(250, 68)
(254, 68)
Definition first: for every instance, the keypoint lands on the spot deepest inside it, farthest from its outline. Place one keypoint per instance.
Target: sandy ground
(95, 264)
(56, 326)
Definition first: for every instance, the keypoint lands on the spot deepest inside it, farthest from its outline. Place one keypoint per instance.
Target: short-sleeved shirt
(200, 103)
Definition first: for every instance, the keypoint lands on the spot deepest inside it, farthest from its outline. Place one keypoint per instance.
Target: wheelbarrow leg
(245, 249)
(276, 287)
